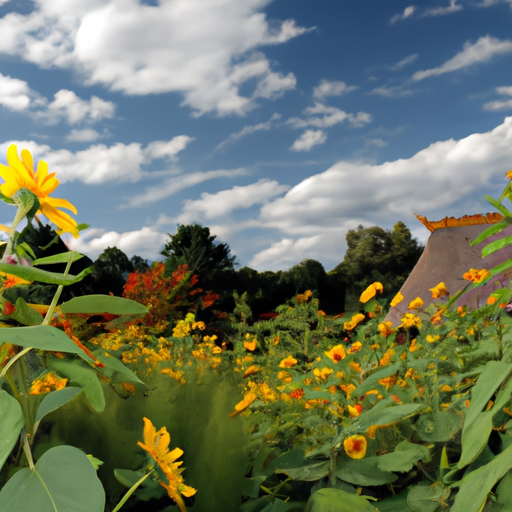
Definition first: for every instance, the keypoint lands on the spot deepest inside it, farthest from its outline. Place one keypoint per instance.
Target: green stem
(20, 215)
(130, 491)
(56, 297)
(13, 360)
(28, 452)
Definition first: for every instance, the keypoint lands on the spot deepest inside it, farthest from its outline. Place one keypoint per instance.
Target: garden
(160, 400)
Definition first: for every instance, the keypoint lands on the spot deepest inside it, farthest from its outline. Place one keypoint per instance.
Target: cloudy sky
(279, 124)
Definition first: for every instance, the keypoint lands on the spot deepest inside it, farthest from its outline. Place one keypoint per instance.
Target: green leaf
(475, 438)
(495, 228)
(336, 500)
(127, 477)
(438, 427)
(10, 426)
(84, 377)
(425, 498)
(371, 381)
(504, 489)
(98, 304)
(404, 457)
(63, 257)
(309, 473)
(54, 400)
(42, 337)
(496, 245)
(386, 416)
(64, 480)
(118, 371)
(36, 274)
(363, 472)
(475, 486)
(24, 314)
(499, 206)
(251, 486)
(396, 503)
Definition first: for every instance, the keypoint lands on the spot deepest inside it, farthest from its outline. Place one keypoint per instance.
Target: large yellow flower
(20, 174)
(157, 445)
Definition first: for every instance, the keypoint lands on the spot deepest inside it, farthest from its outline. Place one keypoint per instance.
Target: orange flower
(286, 377)
(251, 370)
(322, 374)
(397, 299)
(336, 353)
(243, 404)
(356, 319)
(297, 393)
(355, 446)
(476, 276)
(439, 291)
(250, 345)
(157, 445)
(355, 411)
(509, 175)
(371, 291)
(385, 329)
(355, 347)
(288, 362)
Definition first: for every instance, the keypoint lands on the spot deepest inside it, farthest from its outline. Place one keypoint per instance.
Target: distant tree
(376, 254)
(194, 246)
(110, 271)
(139, 264)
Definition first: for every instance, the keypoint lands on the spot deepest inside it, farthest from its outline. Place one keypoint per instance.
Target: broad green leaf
(118, 371)
(504, 489)
(64, 480)
(127, 477)
(84, 377)
(10, 425)
(98, 304)
(496, 245)
(42, 337)
(426, 498)
(386, 416)
(495, 228)
(475, 438)
(63, 257)
(404, 457)
(363, 472)
(371, 381)
(309, 473)
(396, 503)
(251, 486)
(283, 506)
(438, 427)
(54, 400)
(475, 486)
(36, 274)
(336, 500)
(24, 314)
(495, 372)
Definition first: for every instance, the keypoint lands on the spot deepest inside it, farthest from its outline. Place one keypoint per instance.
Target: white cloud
(247, 130)
(145, 242)
(500, 104)
(100, 163)
(69, 106)
(408, 11)
(481, 51)
(85, 135)
(376, 142)
(395, 91)
(308, 140)
(167, 149)
(14, 94)
(195, 47)
(450, 176)
(332, 88)
(225, 201)
(442, 11)
(173, 185)
(322, 116)
(404, 62)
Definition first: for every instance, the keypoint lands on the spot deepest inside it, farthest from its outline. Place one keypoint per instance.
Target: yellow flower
(414, 347)
(432, 339)
(397, 299)
(417, 303)
(355, 446)
(47, 383)
(286, 377)
(251, 370)
(385, 329)
(476, 276)
(439, 291)
(20, 174)
(336, 353)
(371, 291)
(356, 319)
(288, 362)
(250, 345)
(409, 320)
(355, 347)
(322, 374)
(509, 175)
(157, 445)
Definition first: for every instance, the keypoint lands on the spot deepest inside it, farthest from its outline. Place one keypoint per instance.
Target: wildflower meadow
(161, 401)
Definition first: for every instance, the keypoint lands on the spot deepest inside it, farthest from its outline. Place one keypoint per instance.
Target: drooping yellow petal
(61, 203)
(28, 161)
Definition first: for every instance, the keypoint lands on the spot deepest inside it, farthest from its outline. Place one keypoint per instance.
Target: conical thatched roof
(447, 256)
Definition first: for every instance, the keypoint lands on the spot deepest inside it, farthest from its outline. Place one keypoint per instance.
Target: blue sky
(278, 124)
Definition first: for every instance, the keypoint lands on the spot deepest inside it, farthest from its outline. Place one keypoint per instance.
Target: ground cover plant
(105, 400)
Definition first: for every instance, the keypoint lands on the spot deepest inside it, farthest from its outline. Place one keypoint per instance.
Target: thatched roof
(447, 256)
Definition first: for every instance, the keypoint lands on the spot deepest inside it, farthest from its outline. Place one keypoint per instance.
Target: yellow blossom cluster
(47, 383)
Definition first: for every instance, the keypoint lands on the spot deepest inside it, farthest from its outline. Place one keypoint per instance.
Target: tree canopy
(376, 254)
